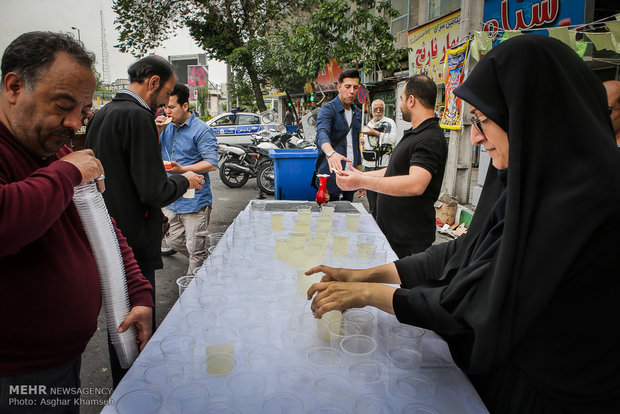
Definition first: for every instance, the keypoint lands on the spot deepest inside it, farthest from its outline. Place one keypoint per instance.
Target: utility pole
(457, 180)
(228, 78)
(105, 57)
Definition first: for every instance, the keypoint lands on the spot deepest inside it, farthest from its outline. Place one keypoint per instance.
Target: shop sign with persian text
(428, 45)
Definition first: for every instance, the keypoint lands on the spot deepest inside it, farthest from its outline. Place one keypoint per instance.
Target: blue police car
(238, 127)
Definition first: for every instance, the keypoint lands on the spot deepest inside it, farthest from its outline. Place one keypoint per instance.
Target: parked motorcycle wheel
(232, 178)
(265, 178)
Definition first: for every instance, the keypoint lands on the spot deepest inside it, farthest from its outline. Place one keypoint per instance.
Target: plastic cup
(183, 283)
(328, 211)
(214, 238)
(277, 220)
(362, 318)
(187, 398)
(323, 324)
(139, 401)
(339, 330)
(297, 342)
(353, 221)
(178, 348)
(220, 363)
(407, 335)
(220, 340)
(366, 247)
(341, 244)
(358, 347)
(246, 388)
(416, 408)
(373, 404)
(324, 223)
(166, 372)
(333, 387)
(167, 165)
(201, 318)
(255, 333)
(297, 239)
(220, 408)
(401, 356)
(304, 211)
(262, 357)
(367, 372)
(282, 244)
(301, 226)
(282, 402)
(295, 377)
(324, 357)
(412, 387)
(326, 409)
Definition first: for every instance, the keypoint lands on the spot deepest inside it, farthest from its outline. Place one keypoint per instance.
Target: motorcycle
(238, 164)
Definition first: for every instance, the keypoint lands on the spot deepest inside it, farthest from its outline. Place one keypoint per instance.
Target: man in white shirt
(380, 137)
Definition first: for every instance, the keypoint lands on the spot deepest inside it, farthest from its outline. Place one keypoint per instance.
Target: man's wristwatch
(329, 153)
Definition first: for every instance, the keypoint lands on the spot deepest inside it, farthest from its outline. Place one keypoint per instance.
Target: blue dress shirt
(188, 144)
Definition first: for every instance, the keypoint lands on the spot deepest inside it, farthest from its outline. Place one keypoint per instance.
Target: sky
(20, 16)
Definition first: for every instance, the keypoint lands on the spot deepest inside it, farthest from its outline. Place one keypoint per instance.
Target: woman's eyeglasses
(477, 122)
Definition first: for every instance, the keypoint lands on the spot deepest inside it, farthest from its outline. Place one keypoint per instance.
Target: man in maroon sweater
(49, 288)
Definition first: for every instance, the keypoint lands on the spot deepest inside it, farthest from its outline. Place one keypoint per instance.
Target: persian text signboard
(429, 44)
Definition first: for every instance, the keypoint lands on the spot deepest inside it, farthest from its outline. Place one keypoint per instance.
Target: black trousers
(54, 391)
(346, 196)
(115, 366)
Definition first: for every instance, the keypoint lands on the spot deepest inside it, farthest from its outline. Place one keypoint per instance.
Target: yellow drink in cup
(220, 363)
(277, 221)
(282, 243)
(341, 244)
(353, 221)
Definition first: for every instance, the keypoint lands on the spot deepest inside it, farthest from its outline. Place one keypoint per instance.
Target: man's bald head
(613, 99)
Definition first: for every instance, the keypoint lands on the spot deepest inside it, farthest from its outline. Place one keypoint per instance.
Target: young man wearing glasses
(410, 185)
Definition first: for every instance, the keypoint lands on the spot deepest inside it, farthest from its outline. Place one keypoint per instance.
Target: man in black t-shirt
(410, 185)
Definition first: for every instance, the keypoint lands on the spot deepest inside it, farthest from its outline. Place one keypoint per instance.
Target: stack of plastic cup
(104, 245)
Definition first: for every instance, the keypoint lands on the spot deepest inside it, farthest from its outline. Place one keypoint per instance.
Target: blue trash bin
(293, 169)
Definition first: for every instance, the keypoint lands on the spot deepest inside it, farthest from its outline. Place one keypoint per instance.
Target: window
(225, 120)
(401, 22)
(437, 8)
(245, 119)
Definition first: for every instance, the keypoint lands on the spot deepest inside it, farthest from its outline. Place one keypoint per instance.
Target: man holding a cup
(123, 135)
(190, 145)
(410, 185)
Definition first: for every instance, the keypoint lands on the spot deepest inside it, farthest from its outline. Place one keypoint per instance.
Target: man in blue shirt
(190, 145)
(337, 134)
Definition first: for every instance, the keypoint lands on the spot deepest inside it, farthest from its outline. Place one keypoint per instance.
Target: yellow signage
(428, 45)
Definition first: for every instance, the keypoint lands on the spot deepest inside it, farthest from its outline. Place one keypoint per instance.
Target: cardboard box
(445, 209)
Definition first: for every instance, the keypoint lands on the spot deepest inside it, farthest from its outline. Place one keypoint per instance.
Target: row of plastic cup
(104, 245)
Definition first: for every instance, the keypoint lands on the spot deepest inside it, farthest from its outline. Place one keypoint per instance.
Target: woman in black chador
(529, 298)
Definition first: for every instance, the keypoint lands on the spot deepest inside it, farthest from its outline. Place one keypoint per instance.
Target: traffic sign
(362, 94)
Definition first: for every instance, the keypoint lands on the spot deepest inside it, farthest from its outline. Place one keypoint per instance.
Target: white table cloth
(251, 290)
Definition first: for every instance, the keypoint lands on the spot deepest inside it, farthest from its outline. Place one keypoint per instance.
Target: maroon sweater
(49, 288)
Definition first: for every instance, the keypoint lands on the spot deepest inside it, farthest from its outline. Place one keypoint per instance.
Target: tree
(225, 29)
(354, 32)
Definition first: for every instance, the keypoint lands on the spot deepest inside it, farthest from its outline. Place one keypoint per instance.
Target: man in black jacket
(124, 137)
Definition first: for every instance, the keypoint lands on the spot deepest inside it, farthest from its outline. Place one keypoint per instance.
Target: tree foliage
(224, 29)
(267, 40)
(354, 32)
